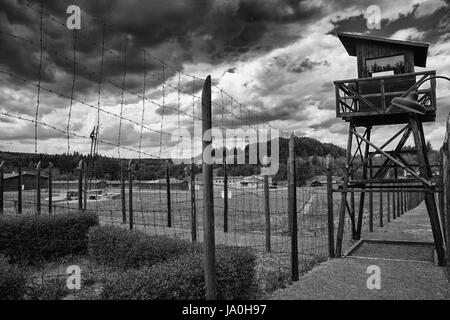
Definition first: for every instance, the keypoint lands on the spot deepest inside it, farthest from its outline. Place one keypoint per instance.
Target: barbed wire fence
(133, 126)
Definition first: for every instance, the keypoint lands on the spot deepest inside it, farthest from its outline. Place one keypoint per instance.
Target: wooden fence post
(50, 188)
(388, 202)
(19, 191)
(169, 202)
(402, 207)
(381, 209)
(122, 193)
(80, 184)
(86, 183)
(225, 195)
(193, 205)
(208, 194)
(38, 188)
(130, 193)
(292, 208)
(267, 212)
(370, 199)
(330, 210)
(2, 187)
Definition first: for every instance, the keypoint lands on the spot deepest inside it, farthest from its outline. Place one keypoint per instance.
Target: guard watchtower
(387, 91)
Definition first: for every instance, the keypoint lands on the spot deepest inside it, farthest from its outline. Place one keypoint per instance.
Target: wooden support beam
(362, 195)
(426, 182)
(340, 231)
(373, 154)
(429, 196)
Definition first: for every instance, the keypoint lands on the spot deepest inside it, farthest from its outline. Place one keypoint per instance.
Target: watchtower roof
(420, 49)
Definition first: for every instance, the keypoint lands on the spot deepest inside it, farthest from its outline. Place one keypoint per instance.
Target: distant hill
(308, 147)
(109, 168)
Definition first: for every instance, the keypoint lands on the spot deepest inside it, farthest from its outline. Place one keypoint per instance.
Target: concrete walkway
(346, 278)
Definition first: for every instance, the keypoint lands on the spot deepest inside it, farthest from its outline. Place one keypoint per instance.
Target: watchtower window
(383, 65)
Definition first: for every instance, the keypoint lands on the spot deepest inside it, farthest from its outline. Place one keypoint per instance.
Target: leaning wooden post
(352, 211)
(388, 202)
(225, 195)
(397, 196)
(342, 209)
(381, 210)
(122, 193)
(267, 212)
(330, 209)
(370, 199)
(404, 201)
(86, 185)
(38, 188)
(50, 188)
(292, 208)
(169, 202)
(130, 193)
(2, 186)
(208, 194)
(394, 202)
(193, 205)
(402, 208)
(80, 184)
(19, 191)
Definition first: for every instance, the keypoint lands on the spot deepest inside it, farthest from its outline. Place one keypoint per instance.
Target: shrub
(117, 247)
(182, 278)
(12, 281)
(33, 239)
(48, 289)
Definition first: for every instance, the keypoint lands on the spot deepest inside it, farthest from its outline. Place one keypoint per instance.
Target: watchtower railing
(372, 96)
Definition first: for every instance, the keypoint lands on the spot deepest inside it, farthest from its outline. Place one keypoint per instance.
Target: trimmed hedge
(122, 248)
(13, 281)
(34, 239)
(48, 289)
(183, 279)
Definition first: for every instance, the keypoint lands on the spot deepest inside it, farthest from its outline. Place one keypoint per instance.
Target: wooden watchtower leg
(340, 231)
(430, 201)
(362, 195)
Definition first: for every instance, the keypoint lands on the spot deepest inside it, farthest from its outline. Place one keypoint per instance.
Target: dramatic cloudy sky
(277, 57)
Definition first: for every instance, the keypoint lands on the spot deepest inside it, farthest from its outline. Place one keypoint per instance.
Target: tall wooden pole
(225, 195)
(19, 191)
(130, 194)
(267, 212)
(168, 198)
(208, 194)
(193, 205)
(330, 210)
(122, 193)
(80, 184)
(50, 188)
(38, 188)
(292, 208)
(2, 187)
